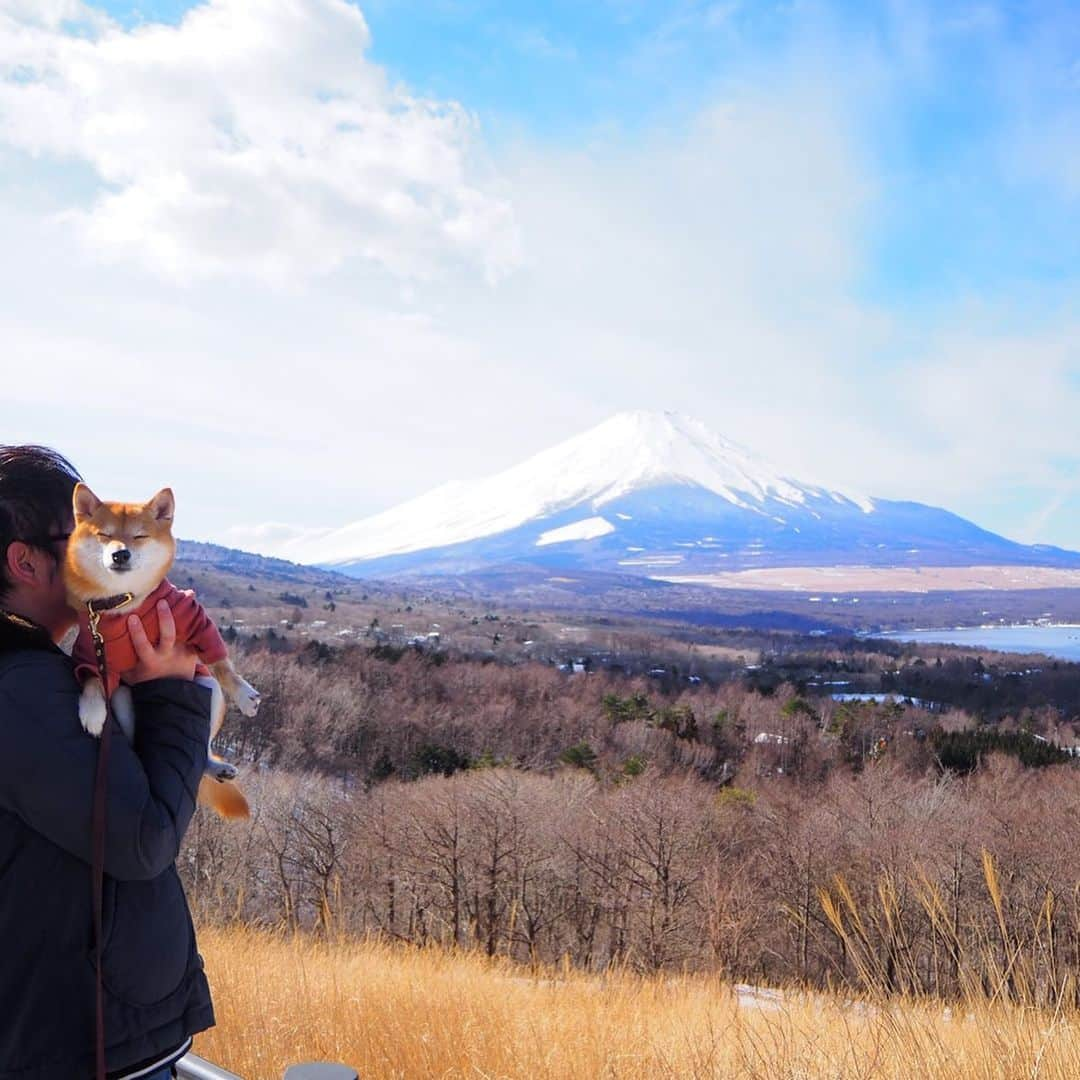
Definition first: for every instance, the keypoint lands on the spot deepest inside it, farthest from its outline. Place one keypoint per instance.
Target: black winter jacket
(155, 991)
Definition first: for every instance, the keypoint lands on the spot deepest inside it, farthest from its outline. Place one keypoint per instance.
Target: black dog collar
(109, 603)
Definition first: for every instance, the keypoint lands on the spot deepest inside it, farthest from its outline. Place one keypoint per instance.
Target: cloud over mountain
(843, 235)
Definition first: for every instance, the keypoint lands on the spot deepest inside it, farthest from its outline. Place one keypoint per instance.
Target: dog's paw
(247, 699)
(221, 770)
(92, 713)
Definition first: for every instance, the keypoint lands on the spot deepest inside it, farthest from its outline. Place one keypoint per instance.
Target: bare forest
(606, 821)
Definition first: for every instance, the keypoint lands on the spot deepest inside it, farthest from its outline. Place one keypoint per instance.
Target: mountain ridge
(649, 493)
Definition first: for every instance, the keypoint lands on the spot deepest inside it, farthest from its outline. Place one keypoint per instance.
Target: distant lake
(1059, 641)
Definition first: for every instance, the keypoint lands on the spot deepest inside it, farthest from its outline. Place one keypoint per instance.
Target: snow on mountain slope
(589, 529)
(631, 452)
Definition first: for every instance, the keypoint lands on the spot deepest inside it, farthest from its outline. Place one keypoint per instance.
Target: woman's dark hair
(35, 498)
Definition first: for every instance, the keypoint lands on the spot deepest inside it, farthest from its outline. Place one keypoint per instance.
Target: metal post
(312, 1070)
(193, 1067)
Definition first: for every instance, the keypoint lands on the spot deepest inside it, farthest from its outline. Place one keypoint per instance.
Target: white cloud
(255, 136)
(271, 536)
(1000, 408)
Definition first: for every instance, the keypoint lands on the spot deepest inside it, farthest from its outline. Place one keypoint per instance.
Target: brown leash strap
(97, 843)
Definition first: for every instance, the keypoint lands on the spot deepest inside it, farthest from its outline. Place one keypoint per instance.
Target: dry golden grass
(401, 1012)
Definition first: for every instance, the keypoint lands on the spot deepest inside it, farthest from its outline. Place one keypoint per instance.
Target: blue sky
(857, 225)
(951, 86)
(948, 87)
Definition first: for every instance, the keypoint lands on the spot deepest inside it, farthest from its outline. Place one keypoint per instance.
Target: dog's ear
(162, 505)
(84, 502)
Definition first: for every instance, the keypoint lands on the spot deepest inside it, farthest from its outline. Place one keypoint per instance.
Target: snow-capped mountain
(654, 493)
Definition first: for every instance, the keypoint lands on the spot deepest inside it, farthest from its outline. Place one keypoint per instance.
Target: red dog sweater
(193, 627)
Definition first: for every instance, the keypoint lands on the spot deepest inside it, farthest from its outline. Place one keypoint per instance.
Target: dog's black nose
(121, 557)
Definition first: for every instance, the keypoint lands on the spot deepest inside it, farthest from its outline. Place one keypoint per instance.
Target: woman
(155, 993)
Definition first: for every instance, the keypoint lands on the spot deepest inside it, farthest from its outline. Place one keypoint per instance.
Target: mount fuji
(655, 494)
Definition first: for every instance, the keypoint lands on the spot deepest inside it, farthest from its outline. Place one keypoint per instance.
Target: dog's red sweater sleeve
(193, 627)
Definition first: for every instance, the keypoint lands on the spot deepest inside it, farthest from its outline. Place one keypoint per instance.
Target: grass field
(395, 1011)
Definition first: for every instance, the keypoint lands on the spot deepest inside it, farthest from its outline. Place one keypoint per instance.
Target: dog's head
(118, 547)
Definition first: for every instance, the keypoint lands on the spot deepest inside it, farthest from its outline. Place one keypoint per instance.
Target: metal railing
(193, 1067)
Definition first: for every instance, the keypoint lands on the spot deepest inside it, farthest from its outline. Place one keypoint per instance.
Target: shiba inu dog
(117, 559)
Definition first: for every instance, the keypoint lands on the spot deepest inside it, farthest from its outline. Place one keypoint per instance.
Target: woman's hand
(166, 660)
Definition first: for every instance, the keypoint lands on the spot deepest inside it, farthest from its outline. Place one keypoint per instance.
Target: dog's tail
(223, 796)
